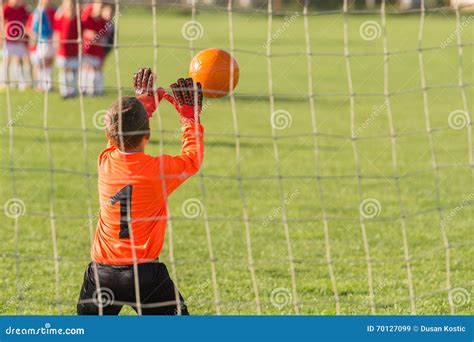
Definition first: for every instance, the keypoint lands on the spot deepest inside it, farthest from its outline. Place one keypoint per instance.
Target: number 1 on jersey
(124, 196)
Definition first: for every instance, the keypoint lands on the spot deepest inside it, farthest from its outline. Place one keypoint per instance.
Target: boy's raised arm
(187, 99)
(187, 163)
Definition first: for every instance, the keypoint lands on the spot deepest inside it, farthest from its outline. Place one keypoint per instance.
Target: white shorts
(67, 62)
(44, 50)
(92, 60)
(17, 49)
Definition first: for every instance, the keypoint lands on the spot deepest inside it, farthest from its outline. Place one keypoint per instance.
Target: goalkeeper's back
(133, 191)
(134, 186)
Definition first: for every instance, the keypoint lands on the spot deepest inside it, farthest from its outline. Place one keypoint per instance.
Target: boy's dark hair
(135, 122)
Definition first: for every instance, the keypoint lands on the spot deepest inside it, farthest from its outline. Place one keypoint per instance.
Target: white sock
(62, 78)
(19, 76)
(48, 77)
(71, 82)
(14, 74)
(98, 82)
(73, 76)
(3, 73)
(86, 81)
(27, 74)
(83, 80)
(90, 82)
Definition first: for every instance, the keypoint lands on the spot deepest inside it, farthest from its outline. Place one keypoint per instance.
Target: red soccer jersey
(15, 19)
(134, 188)
(50, 12)
(96, 25)
(67, 30)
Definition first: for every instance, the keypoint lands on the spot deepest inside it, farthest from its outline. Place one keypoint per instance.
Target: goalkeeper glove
(143, 82)
(187, 99)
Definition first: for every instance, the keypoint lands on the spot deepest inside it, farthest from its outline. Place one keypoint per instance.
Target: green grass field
(27, 275)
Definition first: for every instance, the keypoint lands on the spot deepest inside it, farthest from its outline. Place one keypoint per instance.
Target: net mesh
(260, 292)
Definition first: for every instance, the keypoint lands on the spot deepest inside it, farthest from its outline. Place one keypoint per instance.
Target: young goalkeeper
(133, 192)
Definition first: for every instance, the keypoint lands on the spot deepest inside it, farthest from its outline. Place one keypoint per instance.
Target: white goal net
(337, 178)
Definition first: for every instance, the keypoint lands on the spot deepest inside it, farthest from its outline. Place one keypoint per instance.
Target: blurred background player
(42, 29)
(31, 46)
(65, 36)
(93, 27)
(108, 12)
(16, 67)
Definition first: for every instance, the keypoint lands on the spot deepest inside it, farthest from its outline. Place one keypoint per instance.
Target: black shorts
(117, 288)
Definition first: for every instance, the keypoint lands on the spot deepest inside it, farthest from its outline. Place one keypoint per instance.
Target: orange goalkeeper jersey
(133, 191)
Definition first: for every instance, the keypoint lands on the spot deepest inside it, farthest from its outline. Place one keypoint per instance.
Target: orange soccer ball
(214, 68)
